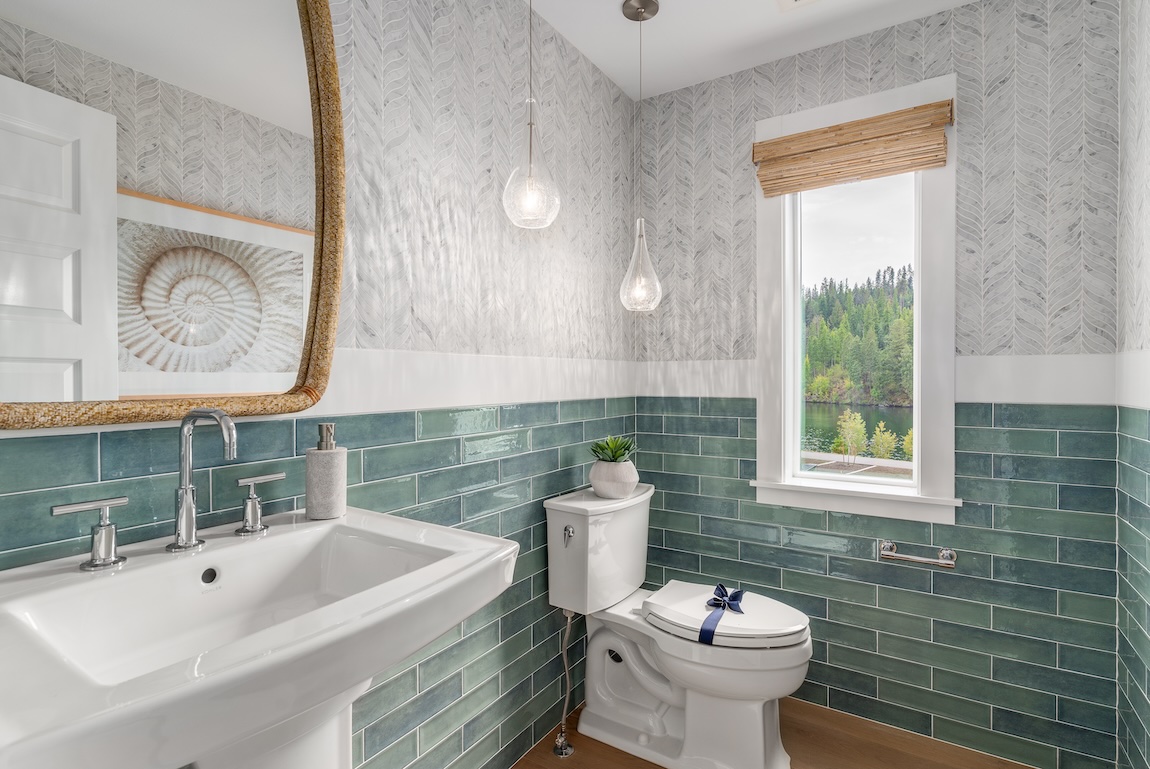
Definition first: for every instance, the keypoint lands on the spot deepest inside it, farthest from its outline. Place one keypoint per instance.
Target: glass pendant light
(530, 197)
(640, 290)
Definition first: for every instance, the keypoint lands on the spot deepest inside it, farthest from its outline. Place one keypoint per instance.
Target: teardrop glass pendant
(641, 290)
(530, 196)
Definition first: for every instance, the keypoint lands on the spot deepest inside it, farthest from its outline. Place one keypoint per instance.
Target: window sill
(890, 502)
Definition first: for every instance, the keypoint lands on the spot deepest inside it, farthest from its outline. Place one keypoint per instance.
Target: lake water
(820, 423)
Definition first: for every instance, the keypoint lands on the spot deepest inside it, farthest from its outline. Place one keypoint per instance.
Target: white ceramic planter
(614, 480)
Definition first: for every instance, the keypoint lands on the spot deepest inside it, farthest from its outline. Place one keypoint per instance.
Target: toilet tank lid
(586, 502)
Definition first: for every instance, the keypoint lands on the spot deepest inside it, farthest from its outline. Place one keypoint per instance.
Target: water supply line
(562, 746)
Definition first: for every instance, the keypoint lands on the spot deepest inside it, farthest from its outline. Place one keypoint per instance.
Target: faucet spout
(186, 493)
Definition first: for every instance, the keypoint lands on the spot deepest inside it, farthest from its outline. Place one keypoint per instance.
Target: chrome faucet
(186, 493)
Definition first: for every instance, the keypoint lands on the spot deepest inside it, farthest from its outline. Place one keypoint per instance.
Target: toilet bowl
(654, 689)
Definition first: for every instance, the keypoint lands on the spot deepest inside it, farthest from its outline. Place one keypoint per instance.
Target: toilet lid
(680, 608)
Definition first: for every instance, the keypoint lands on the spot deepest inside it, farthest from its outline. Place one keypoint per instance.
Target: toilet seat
(679, 608)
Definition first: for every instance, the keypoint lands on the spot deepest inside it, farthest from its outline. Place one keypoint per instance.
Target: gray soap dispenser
(326, 481)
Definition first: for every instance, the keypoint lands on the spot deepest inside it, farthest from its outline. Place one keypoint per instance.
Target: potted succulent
(614, 476)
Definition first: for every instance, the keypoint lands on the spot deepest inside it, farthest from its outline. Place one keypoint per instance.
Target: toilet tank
(603, 557)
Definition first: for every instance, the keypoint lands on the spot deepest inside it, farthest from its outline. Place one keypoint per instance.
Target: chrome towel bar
(946, 557)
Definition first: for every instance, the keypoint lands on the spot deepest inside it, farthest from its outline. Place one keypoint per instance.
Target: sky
(850, 231)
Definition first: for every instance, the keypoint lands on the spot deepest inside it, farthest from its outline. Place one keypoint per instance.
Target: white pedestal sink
(244, 655)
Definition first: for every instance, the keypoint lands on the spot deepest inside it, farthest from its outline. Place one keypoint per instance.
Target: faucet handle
(103, 533)
(253, 507)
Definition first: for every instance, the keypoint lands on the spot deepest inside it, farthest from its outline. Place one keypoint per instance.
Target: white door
(57, 248)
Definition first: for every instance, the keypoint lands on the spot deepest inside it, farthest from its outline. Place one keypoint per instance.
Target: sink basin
(247, 653)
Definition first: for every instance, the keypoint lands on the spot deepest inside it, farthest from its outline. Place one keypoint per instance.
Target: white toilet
(653, 688)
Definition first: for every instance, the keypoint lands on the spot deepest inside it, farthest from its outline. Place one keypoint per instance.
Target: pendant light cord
(639, 121)
(530, 88)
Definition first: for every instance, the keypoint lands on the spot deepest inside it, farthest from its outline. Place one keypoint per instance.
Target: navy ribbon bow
(722, 601)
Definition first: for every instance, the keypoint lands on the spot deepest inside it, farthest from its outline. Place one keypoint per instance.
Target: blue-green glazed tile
(742, 531)
(668, 444)
(1000, 441)
(684, 484)
(442, 423)
(993, 642)
(384, 698)
(617, 407)
(724, 427)
(844, 635)
(1038, 755)
(937, 703)
(748, 428)
(1055, 522)
(1078, 578)
(649, 423)
(1133, 451)
(445, 512)
(674, 559)
(1093, 418)
(457, 480)
(810, 605)
(552, 436)
(831, 544)
(1093, 608)
(359, 431)
(558, 482)
(973, 414)
(1080, 472)
(984, 689)
(1053, 733)
(974, 514)
(1133, 482)
(935, 655)
(842, 679)
(883, 712)
(131, 453)
(598, 429)
(811, 692)
(226, 493)
(1099, 718)
(1100, 555)
(400, 753)
(578, 411)
(660, 405)
(527, 465)
(1007, 492)
(1015, 544)
(730, 488)
(496, 499)
(693, 464)
(408, 458)
(929, 605)
(576, 454)
(1134, 422)
(879, 528)
(416, 711)
(828, 587)
(528, 415)
(888, 574)
(477, 448)
(383, 496)
(1087, 445)
(782, 557)
(646, 461)
(1092, 662)
(995, 592)
(672, 521)
(783, 516)
(50, 461)
(972, 465)
(1024, 623)
(694, 503)
(725, 548)
(748, 469)
(879, 619)
(727, 407)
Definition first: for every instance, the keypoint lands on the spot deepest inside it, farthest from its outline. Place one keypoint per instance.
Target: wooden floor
(815, 737)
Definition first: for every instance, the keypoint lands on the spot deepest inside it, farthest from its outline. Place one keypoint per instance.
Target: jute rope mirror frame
(323, 316)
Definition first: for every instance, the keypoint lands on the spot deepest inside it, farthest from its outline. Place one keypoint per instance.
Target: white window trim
(932, 499)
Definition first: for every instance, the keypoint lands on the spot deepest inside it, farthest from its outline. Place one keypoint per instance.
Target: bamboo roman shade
(898, 142)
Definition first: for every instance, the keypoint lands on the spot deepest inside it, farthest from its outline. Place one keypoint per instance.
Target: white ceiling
(247, 54)
(692, 41)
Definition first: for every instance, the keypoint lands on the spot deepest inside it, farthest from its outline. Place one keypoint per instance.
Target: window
(856, 330)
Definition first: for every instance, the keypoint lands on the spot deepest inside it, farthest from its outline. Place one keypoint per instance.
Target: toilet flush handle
(568, 533)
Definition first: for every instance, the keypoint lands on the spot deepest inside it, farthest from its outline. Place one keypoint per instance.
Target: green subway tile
(512, 598)
(972, 465)
(577, 411)
(226, 493)
(973, 414)
(649, 423)
(531, 562)
(832, 544)
(995, 592)
(460, 712)
(974, 514)
(616, 407)
(1133, 482)
(1062, 576)
(1055, 681)
(598, 429)
(444, 663)
(842, 679)
(727, 427)
(677, 540)
(1089, 634)
(993, 642)
(399, 754)
(894, 715)
(1052, 733)
(408, 458)
(529, 464)
(551, 436)
(740, 530)
(1093, 445)
(668, 444)
(522, 517)
(998, 441)
(1133, 421)
(693, 503)
(889, 574)
(783, 558)
(878, 619)
(441, 755)
(1087, 499)
(528, 414)
(740, 448)
(927, 605)
(983, 689)
(809, 692)
(829, 587)
(1100, 555)
(998, 744)
(52, 461)
(457, 480)
(659, 405)
(558, 482)
(727, 407)
(674, 559)
(441, 423)
(645, 461)
(130, 453)
(1133, 451)
(445, 512)
(495, 446)
(1092, 662)
(783, 516)
(937, 703)
(383, 496)
(1007, 492)
(737, 571)
(1088, 607)
(384, 698)
(879, 528)
(1096, 418)
(359, 431)
(576, 454)
(1099, 718)
(844, 635)
(748, 428)
(672, 521)
(388, 729)
(697, 465)
(354, 467)
(729, 488)
(498, 658)
(1080, 472)
(935, 655)
(493, 500)
(688, 484)
(963, 538)
(1055, 522)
